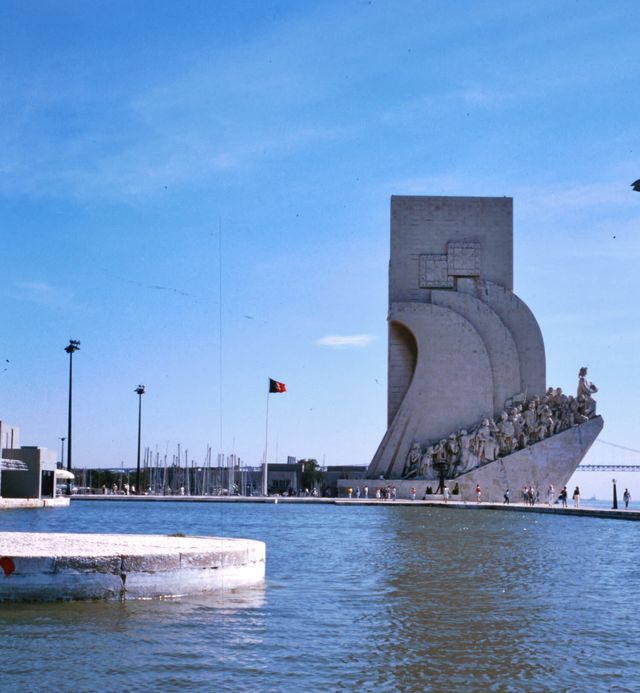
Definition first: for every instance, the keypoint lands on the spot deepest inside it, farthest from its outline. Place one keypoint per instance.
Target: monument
(467, 400)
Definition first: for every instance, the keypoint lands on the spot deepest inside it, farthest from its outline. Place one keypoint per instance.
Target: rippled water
(356, 598)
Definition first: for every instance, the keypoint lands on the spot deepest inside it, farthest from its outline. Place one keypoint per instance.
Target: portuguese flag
(275, 386)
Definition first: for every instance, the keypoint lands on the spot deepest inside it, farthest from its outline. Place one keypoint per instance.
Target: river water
(356, 598)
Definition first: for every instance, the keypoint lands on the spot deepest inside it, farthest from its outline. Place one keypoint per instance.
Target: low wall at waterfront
(51, 567)
(16, 503)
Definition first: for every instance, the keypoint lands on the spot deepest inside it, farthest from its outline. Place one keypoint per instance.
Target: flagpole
(265, 464)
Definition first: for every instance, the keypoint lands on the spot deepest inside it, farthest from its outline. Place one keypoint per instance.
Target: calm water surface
(365, 598)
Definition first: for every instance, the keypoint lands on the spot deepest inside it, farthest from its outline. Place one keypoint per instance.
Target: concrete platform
(541, 507)
(17, 503)
(53, 567)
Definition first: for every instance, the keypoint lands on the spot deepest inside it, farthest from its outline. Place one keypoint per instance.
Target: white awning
(63, 474)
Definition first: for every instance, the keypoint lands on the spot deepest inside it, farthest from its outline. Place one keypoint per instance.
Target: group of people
(389, 492)
(521, 424)
(127, 490)
(531, 496)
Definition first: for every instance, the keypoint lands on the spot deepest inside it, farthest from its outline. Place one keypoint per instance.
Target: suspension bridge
(614, 458)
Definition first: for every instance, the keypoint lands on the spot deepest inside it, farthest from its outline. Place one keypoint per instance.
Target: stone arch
(403, 354)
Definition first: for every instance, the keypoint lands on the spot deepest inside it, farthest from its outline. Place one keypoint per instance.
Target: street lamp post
(74, 345)
(615, 495)
(139, 391)
(62, 452)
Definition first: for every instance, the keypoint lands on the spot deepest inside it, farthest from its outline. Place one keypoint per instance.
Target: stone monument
(467, 401)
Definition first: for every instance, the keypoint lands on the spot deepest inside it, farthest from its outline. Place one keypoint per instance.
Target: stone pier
(20, 503)
(53, 567)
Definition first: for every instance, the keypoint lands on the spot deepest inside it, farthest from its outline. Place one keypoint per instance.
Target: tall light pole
(615, 495)
(74, 345)
(139, 391)
(62, 452)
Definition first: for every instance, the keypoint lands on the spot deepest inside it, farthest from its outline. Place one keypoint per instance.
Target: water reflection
(491, 600)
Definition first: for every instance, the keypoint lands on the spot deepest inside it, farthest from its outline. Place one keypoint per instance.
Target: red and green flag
(275, 386)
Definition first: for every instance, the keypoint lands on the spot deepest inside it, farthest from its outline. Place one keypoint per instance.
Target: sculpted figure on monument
(520, 435)
(426, 470)
(546, 422)
(453, 451)
(465, 450)
(560, 408)
(574, 407)
(546, 399)
(565, 413)
(558, 399)
(531, 422)
(488, 445)
(475, 448)
(506, 433)
(413, 461)
(586, 403)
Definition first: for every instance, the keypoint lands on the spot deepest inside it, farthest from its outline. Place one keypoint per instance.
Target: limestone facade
(461, 343)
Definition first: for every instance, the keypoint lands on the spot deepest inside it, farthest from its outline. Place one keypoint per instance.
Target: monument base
(549, 462)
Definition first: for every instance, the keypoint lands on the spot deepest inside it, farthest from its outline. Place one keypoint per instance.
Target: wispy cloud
(344, 341)
(424, 108)
(41, 292)
(229, 113)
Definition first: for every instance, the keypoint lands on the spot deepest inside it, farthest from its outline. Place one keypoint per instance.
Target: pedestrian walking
(478, 493)
(413, 493)
(576, 497)
(563, 496)
(626, 497)
(445, 493)
(550, 495)
(506, 497)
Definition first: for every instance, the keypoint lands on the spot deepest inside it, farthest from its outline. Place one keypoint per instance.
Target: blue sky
(141, 139)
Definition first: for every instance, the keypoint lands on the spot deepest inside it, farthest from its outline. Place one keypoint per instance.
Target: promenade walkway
(585, 511)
